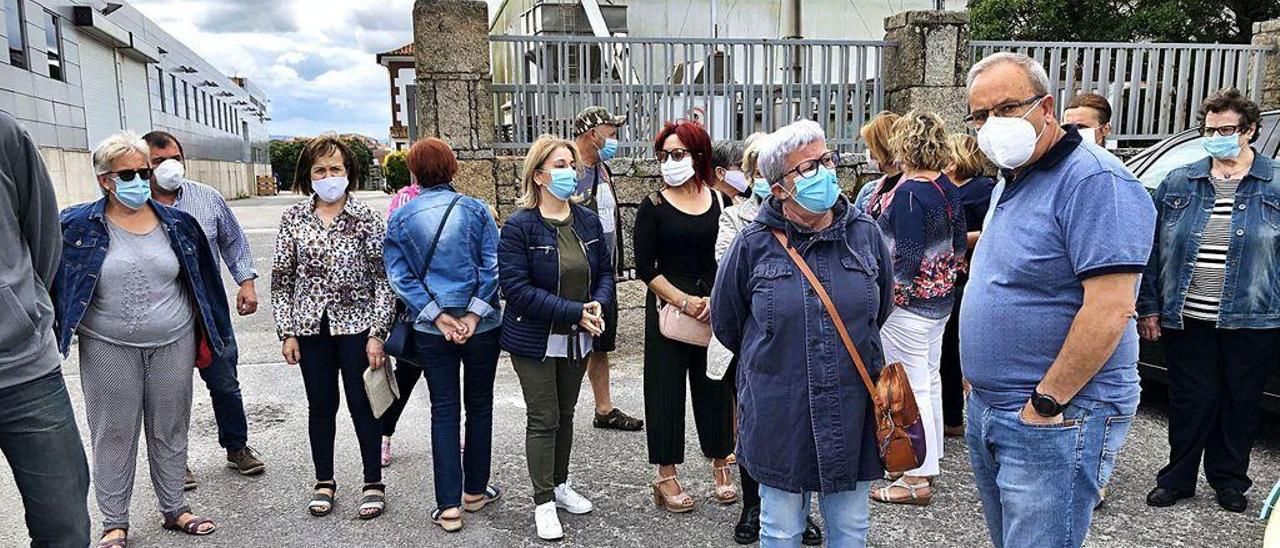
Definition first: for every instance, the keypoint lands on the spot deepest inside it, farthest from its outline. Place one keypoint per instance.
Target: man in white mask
(1091, 114)
(170, 187)
(1047, 333)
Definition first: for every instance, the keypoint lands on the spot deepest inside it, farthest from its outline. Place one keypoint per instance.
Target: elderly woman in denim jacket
(451, 289)
(1211, 294)
(806, 420)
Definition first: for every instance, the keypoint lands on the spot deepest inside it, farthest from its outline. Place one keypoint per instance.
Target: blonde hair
(751, 154)
(969, 160)
(118, 146)
(876, 135)
(918, 140)
(530, 192)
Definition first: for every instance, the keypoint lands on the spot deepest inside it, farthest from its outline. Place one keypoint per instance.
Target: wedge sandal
(491, 494)
(450, 525)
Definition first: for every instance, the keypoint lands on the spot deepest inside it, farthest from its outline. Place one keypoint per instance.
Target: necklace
(1231, 175)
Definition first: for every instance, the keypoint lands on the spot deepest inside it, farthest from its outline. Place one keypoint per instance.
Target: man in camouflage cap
(595, 132)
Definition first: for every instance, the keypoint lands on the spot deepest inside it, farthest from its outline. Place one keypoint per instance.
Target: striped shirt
(1204, 295)
(220, 226)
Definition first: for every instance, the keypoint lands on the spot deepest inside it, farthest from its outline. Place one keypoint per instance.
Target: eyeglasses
(677, 154)
(809, 168)
(1225, 131)
(1004, 110)
(129, 174)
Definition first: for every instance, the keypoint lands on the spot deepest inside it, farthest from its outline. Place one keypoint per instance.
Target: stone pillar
(1268, 33)
(927, 69)
(455, 101)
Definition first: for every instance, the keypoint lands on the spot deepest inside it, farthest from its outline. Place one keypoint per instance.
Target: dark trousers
(952, 376)
(325, 358)
(1216, 378)
(407, 375)
(454, 471)
(228, 406)
(550, 388)
(39, 438)
(667, 365)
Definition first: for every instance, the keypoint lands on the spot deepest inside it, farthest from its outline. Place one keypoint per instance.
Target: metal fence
(733, 86)
(1155, 90)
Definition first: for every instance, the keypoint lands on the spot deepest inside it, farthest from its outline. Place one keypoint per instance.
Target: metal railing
(733, 86)
(1155, 90)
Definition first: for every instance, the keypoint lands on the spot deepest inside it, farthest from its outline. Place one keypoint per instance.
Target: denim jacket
(805, 418)
(85, 241)
(1251, 288)
(463, 275)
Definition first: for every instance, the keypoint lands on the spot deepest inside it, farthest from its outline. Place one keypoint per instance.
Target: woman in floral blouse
(333, 308)
(924, 224)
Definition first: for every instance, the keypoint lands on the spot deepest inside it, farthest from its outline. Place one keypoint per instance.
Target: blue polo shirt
(1076, 213)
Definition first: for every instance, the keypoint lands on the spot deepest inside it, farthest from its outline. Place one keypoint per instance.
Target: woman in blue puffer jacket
(557, 277)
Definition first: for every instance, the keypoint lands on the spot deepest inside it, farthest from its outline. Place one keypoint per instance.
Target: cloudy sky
(314, 58)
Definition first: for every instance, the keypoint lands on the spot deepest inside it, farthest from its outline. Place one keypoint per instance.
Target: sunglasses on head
(129, 174)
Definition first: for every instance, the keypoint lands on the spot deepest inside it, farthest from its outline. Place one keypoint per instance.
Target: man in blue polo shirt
(1047, 333)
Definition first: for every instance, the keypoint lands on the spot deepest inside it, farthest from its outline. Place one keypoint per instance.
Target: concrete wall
(74, 181)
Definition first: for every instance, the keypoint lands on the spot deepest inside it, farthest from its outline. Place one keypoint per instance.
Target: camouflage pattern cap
(593, 116)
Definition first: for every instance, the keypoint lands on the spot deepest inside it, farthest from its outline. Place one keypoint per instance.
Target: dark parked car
(1151, 166)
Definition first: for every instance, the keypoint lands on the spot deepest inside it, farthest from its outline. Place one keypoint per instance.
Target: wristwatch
(1045, 405)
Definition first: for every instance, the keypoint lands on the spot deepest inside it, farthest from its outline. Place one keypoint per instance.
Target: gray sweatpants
(126, 388)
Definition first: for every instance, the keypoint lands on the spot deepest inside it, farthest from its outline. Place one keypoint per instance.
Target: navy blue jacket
(529, 275)
(85, 241)
(805, 420)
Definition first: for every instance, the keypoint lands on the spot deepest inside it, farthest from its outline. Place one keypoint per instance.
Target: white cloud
(313, 58)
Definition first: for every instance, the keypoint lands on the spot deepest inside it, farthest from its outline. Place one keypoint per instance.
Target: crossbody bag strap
(831, 310)
(431, 251)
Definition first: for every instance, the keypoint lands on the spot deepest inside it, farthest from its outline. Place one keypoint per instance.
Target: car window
(1171, 159)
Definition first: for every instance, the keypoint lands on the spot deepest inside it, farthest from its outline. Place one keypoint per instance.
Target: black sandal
(617, 420)
(192, 526)
(322, 503)
(375, 498)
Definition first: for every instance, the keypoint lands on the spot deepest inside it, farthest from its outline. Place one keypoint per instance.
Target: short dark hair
(726, 153)
(320, 147)
(162, 139)
(1095, 102)
(1230, 99)
(431, 162)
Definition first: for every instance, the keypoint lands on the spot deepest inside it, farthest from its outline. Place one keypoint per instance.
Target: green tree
(1199, 21)
(396, 170)
(284, 159)
(362, 158)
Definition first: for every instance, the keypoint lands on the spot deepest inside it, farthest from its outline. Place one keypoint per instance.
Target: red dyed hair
(432, 162)
(696, 141)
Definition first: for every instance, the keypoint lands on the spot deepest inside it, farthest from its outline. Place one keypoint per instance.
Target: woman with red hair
(675, 236)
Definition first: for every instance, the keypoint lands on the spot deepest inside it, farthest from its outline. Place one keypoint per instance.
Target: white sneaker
(571, 501)
(548, 522)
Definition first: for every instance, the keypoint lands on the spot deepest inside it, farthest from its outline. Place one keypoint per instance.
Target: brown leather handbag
(899, 432)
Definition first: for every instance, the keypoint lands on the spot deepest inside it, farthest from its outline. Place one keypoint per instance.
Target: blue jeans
(228, 407)
(783, 517)
(39, 438)
(1039, 484)
(454, 471)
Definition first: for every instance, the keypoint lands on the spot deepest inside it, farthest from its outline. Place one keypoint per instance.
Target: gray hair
(790, 138)
(116, 147)
(1033, 69)
(725, 154)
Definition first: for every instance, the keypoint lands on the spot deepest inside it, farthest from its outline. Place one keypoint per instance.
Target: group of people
(1014, 308)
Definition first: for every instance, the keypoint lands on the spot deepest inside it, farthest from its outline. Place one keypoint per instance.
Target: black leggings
(407, 375)
(325, 358)
(952, 376)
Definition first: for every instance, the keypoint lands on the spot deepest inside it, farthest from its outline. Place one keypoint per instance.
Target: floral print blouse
(333, 270)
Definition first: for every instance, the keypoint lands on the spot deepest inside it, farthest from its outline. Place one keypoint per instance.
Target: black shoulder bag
(402, 328)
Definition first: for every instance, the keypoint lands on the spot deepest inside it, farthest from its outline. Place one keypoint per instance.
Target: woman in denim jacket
(138, 283)
(1211, 294)
(452, 292)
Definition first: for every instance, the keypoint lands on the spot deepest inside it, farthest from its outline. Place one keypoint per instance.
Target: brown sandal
(678, 503)
(118, 542)
(192, 526)
(727, 492)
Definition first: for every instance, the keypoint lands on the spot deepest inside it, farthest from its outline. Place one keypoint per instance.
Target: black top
(669, 242)
(975, 196)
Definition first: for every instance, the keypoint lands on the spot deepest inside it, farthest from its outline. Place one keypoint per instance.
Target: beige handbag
(678, 326)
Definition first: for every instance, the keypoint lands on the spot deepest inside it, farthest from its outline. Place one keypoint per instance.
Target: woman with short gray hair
(133, 284)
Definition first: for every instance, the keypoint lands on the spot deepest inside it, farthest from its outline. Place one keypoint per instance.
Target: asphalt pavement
(609, 467)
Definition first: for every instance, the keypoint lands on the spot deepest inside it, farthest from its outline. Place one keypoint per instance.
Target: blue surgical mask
(564, 181)
(134, 192)
(819, 192)
(608, 149)
(761, 188)
(1222, 147)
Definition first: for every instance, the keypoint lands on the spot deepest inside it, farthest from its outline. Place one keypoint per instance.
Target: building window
(53, 44)
(173, 88)
(164, 100)
(186, 99)
(15, 30)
